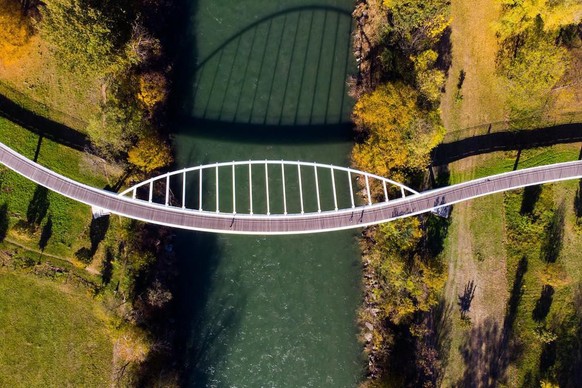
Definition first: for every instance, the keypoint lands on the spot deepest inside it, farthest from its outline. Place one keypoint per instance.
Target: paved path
(289, 224)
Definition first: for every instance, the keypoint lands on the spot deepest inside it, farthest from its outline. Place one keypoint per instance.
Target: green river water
(267, 80)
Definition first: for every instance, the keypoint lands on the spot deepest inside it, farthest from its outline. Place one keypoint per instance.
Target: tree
(410, 281)
(149, 154)
(15, 32)
(142, 45)
(88, 39)
(400, 135)
(429, 80)
(416, 25)
(521, 15)
(158, 295)
(114, 129)
(4, 221)
(531, 75)
(152, 89)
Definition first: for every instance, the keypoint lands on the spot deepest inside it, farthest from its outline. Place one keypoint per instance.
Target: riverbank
(68, 118)
(405, 319)
(314, 313)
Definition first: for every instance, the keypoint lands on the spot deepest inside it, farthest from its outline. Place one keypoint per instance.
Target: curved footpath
(289, 224)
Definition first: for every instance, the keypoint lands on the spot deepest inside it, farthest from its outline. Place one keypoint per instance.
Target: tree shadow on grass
(531, 194)
(38, 206)
(107, 269)
(442, 330)
(565, 361)
(466, 298)
(97, 231)
(4, 221)
(578, 201)
(485, 356)
(46, 234)
(548, 357)
(42, 126)
(543, 304)
(554, 235)
(436, 232)
(489, 348)
(516, 293)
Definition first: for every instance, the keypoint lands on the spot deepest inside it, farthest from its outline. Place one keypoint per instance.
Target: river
(267, 80)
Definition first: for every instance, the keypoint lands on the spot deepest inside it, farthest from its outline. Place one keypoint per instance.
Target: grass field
(488, 243)
(50, 336)
(52, 332)
(474, 92)
(25, 200)
(39, 83)
(480, 99)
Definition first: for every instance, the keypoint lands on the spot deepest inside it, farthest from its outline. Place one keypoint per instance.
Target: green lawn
(70, 219)
(50, 336)
(497, 239)
(499, 162)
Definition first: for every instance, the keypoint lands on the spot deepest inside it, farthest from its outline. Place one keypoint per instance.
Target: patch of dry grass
(480, 99)
(38, 82)
(567, 94)
(475, 253)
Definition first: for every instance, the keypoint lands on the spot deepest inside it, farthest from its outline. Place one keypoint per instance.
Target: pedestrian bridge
(276, 197)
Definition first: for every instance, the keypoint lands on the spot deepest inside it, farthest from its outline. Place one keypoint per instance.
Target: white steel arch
(275, 177)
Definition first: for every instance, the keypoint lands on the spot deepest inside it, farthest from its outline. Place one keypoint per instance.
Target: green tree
(88, 39)
(115, 128)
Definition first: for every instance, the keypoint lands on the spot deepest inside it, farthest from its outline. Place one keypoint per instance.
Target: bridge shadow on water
(281, 79)
(284, 73)
(204, 330)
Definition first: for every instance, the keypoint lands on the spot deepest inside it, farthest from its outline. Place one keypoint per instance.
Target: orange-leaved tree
(15, 31)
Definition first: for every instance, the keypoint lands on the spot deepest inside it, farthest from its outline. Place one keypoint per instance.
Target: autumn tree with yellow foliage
(400, 134)
(521, 15)
(411, 37)
(400, 125)
(149, 154)
(153, 89)
(416, 25)
(532, 59)
(15, 32)
(410, 281)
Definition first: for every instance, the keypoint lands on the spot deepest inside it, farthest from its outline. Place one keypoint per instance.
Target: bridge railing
(268, 187)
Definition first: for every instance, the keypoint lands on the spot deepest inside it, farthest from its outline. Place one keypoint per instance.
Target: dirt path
(477, 266)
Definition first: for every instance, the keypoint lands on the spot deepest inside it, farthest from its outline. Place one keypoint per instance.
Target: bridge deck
(286, 224)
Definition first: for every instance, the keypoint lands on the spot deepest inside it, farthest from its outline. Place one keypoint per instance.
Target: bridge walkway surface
(290, 223)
